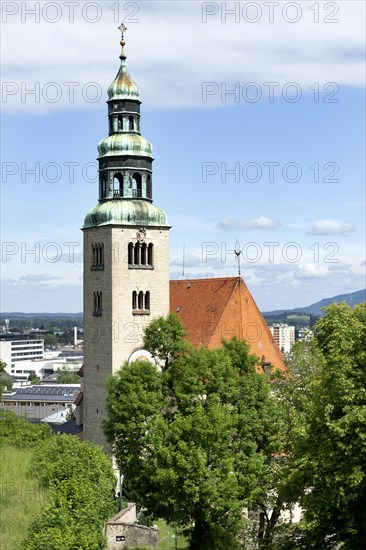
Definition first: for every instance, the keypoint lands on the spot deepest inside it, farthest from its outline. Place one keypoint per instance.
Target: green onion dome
(126, 212)
(125, 144)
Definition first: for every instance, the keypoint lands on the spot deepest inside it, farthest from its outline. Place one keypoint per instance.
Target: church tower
(126, 251)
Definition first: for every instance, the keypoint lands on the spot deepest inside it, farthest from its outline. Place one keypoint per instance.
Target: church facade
(126, 252)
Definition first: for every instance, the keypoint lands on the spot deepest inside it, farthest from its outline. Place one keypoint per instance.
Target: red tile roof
(215, 309)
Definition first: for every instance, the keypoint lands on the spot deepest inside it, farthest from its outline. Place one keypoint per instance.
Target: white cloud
(261, 222)
(171, 77)
(311, 270)
(331, 227)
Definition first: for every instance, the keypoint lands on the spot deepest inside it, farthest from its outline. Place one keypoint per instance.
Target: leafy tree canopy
(50, 340)
(194, 441)
(67, 376)
(326, 408)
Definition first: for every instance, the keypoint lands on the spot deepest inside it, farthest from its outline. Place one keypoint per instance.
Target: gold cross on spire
(122, 28)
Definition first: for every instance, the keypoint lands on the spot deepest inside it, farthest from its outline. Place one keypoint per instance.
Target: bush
(82, 483)
(21, 433)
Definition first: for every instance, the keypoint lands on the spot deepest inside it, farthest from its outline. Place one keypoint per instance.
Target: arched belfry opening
(136, 185)
(131, 123)
(118, 185)
(120, 122)
(103, 187)
(148, 187)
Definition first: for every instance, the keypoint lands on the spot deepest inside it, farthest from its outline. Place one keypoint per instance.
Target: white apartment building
(284, 335)
(15, 348)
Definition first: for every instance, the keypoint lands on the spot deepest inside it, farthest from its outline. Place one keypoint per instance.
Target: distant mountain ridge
(352, 299)
(20, 314)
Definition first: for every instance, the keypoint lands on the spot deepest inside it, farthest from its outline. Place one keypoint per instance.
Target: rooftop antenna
(237, 252)
(184, 252)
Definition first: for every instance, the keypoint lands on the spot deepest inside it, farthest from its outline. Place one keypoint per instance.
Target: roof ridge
(203, 279)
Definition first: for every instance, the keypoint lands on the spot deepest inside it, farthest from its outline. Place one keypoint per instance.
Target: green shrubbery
(79, 480)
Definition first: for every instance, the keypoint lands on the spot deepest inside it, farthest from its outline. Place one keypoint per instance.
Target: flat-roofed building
(15, 348)
(39, 401)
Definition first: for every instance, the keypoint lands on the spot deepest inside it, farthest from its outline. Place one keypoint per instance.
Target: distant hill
(352, 299)
(21, 315)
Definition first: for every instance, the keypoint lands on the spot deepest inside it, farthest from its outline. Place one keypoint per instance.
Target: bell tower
(126, 251)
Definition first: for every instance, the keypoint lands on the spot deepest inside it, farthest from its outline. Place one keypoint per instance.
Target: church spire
(125, 160)
(123, 29)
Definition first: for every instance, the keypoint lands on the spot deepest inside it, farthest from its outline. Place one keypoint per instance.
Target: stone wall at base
(122, 533)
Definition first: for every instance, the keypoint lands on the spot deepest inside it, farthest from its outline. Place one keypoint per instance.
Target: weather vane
(237, 253)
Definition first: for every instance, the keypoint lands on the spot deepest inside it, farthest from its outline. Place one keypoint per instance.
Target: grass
(167, 541)
(20, 497)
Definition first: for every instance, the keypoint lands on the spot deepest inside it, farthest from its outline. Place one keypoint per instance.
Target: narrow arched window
(143, 254)
(118, 185)
(148, 187)
(134, 299)
(131, 123)
(103, 187)
(136, 185)
(120, 122)
(150, 254)
(130, 253)
(136, 254)
(93, 255)
(147, 301)
(141, 300)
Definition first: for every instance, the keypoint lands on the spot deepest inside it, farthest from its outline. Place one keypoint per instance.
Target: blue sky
(294, 199)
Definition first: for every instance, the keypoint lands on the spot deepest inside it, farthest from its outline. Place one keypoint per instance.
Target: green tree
(164, 338)
(326, 407)
(5, 378)
(50, 340)
(33, 378)
(67, 376)
(195, 441)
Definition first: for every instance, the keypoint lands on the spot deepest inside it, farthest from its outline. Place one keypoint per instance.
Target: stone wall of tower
(110, 338)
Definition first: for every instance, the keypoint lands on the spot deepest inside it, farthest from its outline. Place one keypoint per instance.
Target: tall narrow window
(120, 123)
(131, 123)
(136, 185)
(141, 300)
(147, 301)
(97, 301)
(97, 250)
(143, 254)
(150, 255)
(136, 254)
(148, 187)
(118, 185)
(130, 253)
(103, 187)
(134, 299)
